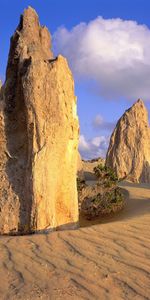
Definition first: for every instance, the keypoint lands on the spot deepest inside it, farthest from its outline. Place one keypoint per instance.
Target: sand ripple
(109, 260)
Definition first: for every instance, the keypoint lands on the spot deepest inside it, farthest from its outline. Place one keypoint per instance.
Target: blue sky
(109, 58)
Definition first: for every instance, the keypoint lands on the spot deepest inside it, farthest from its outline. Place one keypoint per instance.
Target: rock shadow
(18, 166)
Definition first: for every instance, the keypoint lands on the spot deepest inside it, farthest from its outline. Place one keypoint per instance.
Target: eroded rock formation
(39, 135)
(129, 148)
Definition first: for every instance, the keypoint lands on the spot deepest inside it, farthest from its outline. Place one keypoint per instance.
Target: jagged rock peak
(30, 40)
(139, 104)
(140, 109)
(33, 33)
(129, 148)
(139, 101)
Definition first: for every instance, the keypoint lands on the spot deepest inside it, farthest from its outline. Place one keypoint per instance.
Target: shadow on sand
(135, 185)
(89, 176)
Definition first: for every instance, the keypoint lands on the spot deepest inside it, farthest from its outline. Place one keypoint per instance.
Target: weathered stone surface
(39, 135)
(129, 148)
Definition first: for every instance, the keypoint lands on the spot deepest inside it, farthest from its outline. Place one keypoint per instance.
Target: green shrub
(103, 204)
(106, 174)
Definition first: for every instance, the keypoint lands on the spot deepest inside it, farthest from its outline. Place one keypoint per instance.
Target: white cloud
(100, 123)
(83, 144)
(112, 52)
(93, 148)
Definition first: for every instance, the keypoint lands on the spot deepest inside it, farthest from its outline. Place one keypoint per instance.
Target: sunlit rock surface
(39, 135)
(129, 148)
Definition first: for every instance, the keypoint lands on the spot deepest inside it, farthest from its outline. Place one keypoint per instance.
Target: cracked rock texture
(39, 135)
(129, 148)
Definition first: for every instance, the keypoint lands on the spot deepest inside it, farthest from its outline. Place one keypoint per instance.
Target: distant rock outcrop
(89, 165)
(0, 90)
(129, 149)
(39, 135)
(80, 172)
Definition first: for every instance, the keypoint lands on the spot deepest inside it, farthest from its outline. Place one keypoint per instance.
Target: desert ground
(106, 260)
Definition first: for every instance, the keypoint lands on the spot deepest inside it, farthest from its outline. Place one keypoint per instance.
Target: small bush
(106, 175)
(103, 204)
(102, 198)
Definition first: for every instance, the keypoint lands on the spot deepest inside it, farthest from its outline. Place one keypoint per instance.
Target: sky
(107, 45)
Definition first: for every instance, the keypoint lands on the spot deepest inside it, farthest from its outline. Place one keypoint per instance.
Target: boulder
(129, 149)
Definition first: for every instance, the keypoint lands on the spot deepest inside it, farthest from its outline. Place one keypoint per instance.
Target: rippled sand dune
(109, 260)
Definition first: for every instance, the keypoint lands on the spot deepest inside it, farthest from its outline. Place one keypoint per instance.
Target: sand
(108, 260)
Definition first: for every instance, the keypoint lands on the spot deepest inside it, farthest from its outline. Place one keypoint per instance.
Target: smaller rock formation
(0, 90)
(80, 172)
(129, 149)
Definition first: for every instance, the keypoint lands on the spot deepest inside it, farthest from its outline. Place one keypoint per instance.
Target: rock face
(129, 148)
(39, 135)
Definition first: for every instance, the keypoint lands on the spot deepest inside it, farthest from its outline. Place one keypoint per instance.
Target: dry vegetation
(103, 197)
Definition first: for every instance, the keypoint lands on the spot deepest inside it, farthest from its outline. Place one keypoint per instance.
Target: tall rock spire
(40, 145)
(129, 148)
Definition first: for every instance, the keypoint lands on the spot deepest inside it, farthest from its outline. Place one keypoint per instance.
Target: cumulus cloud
(100, 123)
(112, 52)
(93, 148)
